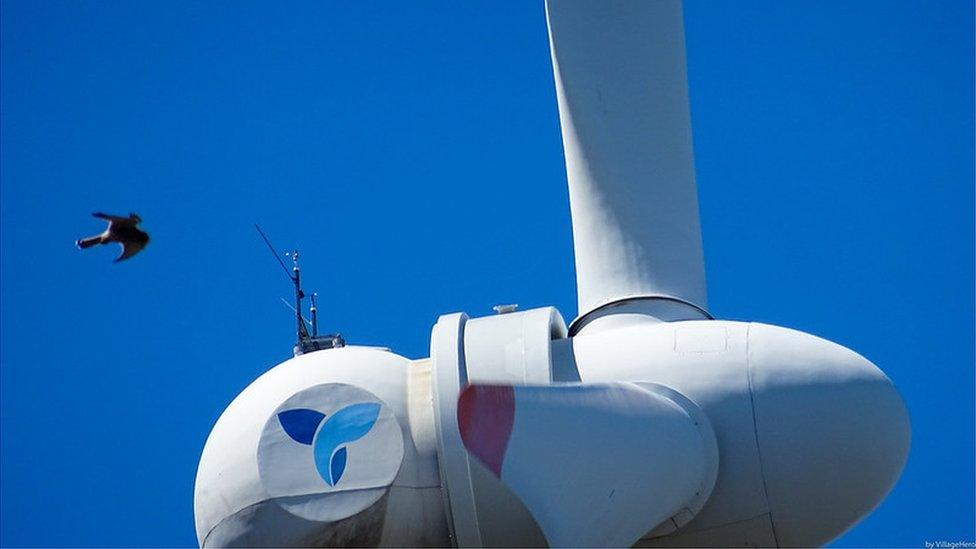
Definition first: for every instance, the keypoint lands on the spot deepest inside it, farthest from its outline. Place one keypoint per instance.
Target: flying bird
(122, 230)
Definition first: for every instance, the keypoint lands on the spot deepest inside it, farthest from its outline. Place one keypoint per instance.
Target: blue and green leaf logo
(329, 437)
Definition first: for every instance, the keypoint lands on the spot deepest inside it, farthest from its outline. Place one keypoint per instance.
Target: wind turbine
(644, 422)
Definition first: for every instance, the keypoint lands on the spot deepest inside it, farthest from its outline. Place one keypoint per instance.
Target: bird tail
(89, 242)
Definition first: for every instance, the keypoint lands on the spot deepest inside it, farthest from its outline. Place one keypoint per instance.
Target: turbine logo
(328, 438)
(329, 451)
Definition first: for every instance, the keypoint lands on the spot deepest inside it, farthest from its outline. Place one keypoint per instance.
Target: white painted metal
(623, 107)
(231, 504)
(449, 376)
(833, 433)
(810, 434)
(596, 464)
(512, 347)
(508, 348)
(636, 311)
(811, 437)
(707, 481)
(753, 532)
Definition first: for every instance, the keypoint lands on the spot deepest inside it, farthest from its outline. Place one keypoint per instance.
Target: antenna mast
(315, 316)
(299, 294)
(306, 343)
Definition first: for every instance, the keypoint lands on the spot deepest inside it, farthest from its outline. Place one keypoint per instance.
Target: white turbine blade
(628, 459)
(623, 107)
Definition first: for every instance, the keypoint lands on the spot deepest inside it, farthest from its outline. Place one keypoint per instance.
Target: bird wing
(114, 218)
(130, 249)
(90, 241)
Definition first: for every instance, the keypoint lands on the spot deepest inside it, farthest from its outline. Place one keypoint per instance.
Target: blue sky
(412, 152)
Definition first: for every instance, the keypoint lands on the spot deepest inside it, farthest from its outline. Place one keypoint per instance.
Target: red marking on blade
(486, 414)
